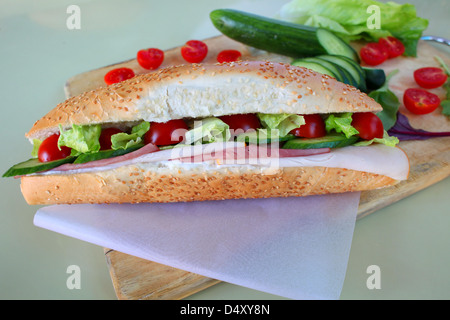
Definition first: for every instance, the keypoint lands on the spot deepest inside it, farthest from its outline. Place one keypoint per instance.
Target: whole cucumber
(289, 39)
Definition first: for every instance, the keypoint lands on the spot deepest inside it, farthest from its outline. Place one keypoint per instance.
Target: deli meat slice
(148, 148)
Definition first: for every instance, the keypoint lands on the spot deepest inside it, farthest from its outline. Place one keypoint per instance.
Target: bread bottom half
(136, 184)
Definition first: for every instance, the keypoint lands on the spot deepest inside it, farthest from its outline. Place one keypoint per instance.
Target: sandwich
(199, 132)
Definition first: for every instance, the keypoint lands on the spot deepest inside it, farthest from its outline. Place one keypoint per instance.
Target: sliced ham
(148, 148)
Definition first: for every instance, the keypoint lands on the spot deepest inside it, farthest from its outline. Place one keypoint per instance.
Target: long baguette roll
(197, 91)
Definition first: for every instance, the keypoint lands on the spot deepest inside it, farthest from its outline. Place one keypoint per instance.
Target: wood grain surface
(135, 278)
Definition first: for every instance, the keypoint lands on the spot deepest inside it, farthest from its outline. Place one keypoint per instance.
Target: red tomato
(393, 46)
(194, 51)
(241, 122)
(228, 56)
(368, 125)
(420, 101)
(105, 137)
(430, 77)
(150, 58)
(118, 75)
(160, 133)
(49, 151)
(373, 54)
(314, 127)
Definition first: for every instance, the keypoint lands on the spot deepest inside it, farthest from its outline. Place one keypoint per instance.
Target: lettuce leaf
(283, 122)
(208, 130)
(124, 140)
(36, 145)
(389, 101)
(387, 140)
(348, 19)
(341, 123)
(82, 139)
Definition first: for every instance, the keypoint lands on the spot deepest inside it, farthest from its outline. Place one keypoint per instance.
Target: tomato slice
(241, 123)
(314, 127)
(368, 125)
(420, 101)
(430, 77)
(105, 137)
(118, 75)
(49, 151)
(150, 58)
(228, 56)
(374, 54)
(393, 46)
(160, 133)
(194, 51)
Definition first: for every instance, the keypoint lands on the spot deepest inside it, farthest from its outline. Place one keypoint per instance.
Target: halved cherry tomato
(430, 77)
(160, 133)
(393, 46)
(228, 56)
(368, 125)
(373, 54)
(420, 101)
(49, 151)
(105, 137)
(150, 58)
(118, 75)
(194, 51)
(314, 127)
(241, 122)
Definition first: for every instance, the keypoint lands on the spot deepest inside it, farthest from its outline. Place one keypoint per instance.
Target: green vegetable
(262, 136)
(375, 78)
(124, 140)
(349, 19)
(445, 104)
(389, 101)
(104, 154)
(34, 165)
(341, 123)
(289, 39)
(208, 130)
(283, 122)
(81, 139)
(329, 141)
(387, 140)
(36, 145)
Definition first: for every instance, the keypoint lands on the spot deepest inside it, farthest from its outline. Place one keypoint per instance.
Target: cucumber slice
(314, 66)
(262, 137)
(86, 157)
(328, 141)
(335, 45)
(349, 66)
(34, 165)
(375, 78)
(339, 75)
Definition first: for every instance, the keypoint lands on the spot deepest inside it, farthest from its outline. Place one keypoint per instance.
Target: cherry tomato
(368, 125)
(49, 151)
(373, 54)
(430, 77)
(160, 133)
(228, 56)
(393, 46)
(150, 58)
(118, 75)
(420, 101)
(241, 122)
(105, 137)
(314, 127)
(194, 51)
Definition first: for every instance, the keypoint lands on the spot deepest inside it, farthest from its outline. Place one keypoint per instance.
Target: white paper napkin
(292, 247)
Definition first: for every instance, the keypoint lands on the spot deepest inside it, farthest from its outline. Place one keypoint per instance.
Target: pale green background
(408, 240)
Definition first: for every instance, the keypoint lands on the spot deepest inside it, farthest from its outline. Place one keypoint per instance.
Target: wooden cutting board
(135, 278)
